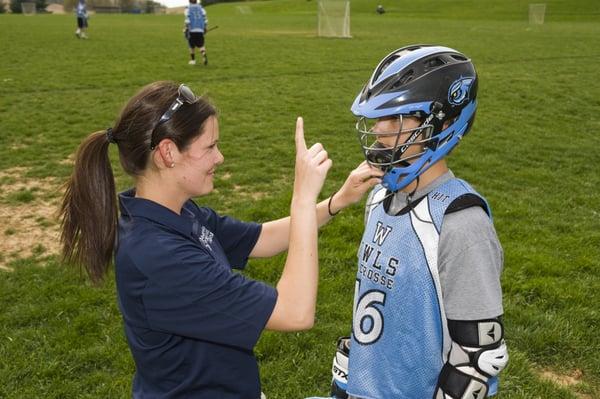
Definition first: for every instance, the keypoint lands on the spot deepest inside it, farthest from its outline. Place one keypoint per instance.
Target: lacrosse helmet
(437, 85)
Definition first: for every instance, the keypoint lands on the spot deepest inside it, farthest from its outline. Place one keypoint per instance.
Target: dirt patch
(29, 225)
(16, 147)
(13, 181)
(70, 160)
(256, 195)
(12, 172)
(570, 380)
(565, 380)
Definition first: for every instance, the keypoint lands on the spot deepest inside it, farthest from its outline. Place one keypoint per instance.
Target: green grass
(532, 153)
(21, 196)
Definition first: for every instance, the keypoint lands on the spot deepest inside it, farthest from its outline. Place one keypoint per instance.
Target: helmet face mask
(386, 157)
(436, 84)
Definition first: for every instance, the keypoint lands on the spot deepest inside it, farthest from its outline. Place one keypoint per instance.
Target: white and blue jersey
(400, 338)
(81, 10)
(195, 18)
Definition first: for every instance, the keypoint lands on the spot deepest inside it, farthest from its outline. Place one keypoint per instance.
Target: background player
(82, 20)
(196, 23)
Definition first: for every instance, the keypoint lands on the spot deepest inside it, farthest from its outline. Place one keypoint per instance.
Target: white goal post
(28, 8)
(334, 18)
(537, 13)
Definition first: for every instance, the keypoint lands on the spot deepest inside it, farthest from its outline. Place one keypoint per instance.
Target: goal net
(536, 14)
(334, 18)
(28, 8)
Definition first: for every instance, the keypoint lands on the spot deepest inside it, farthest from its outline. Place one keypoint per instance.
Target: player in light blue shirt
(427, 319)
(82, 20)
(196, 23)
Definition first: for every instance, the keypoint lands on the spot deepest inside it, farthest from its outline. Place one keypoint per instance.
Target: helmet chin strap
(410, 205)
(414, 190)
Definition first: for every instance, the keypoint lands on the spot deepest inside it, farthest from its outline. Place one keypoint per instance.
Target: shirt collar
(438, 181)
(399, 199)
(131, 206)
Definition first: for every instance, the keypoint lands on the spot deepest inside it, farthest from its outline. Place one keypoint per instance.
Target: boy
(427, 320)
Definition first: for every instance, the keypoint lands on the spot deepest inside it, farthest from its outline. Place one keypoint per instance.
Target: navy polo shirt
(190, 320)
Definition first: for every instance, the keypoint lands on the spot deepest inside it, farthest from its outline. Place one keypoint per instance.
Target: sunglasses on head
(185, 95)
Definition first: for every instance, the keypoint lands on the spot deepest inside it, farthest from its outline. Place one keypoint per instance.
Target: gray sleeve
(470, 265)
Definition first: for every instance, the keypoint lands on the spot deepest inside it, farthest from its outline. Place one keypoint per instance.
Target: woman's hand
(297, 287)
(359, 181)
(312, 165)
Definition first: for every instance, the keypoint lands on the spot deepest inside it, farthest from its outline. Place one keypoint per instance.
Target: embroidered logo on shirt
(206, 237)
(439, 196)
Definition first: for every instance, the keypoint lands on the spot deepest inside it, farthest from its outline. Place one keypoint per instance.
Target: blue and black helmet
(437, 85)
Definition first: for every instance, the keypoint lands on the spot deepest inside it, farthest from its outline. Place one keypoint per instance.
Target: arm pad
(478, 353)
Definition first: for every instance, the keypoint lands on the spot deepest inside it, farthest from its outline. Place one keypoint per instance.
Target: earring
(172, 165)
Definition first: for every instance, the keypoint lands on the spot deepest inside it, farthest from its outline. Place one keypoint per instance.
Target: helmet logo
(459, 91)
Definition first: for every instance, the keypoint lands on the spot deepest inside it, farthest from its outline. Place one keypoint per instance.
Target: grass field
(533, 153)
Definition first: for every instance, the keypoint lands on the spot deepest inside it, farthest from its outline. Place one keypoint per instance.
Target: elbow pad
(478, 353)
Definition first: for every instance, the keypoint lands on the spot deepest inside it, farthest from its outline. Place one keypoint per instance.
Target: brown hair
(89, 207)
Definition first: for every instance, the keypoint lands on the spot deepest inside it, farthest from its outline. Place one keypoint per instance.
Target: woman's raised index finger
(300, 143)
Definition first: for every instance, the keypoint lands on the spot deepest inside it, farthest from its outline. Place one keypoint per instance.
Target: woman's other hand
(358, 182)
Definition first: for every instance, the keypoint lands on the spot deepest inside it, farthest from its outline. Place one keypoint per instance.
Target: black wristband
(329, 206)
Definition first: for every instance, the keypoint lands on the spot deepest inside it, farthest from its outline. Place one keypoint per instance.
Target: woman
(190, 321)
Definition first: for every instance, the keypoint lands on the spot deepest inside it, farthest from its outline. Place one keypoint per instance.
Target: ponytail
(89, 209)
